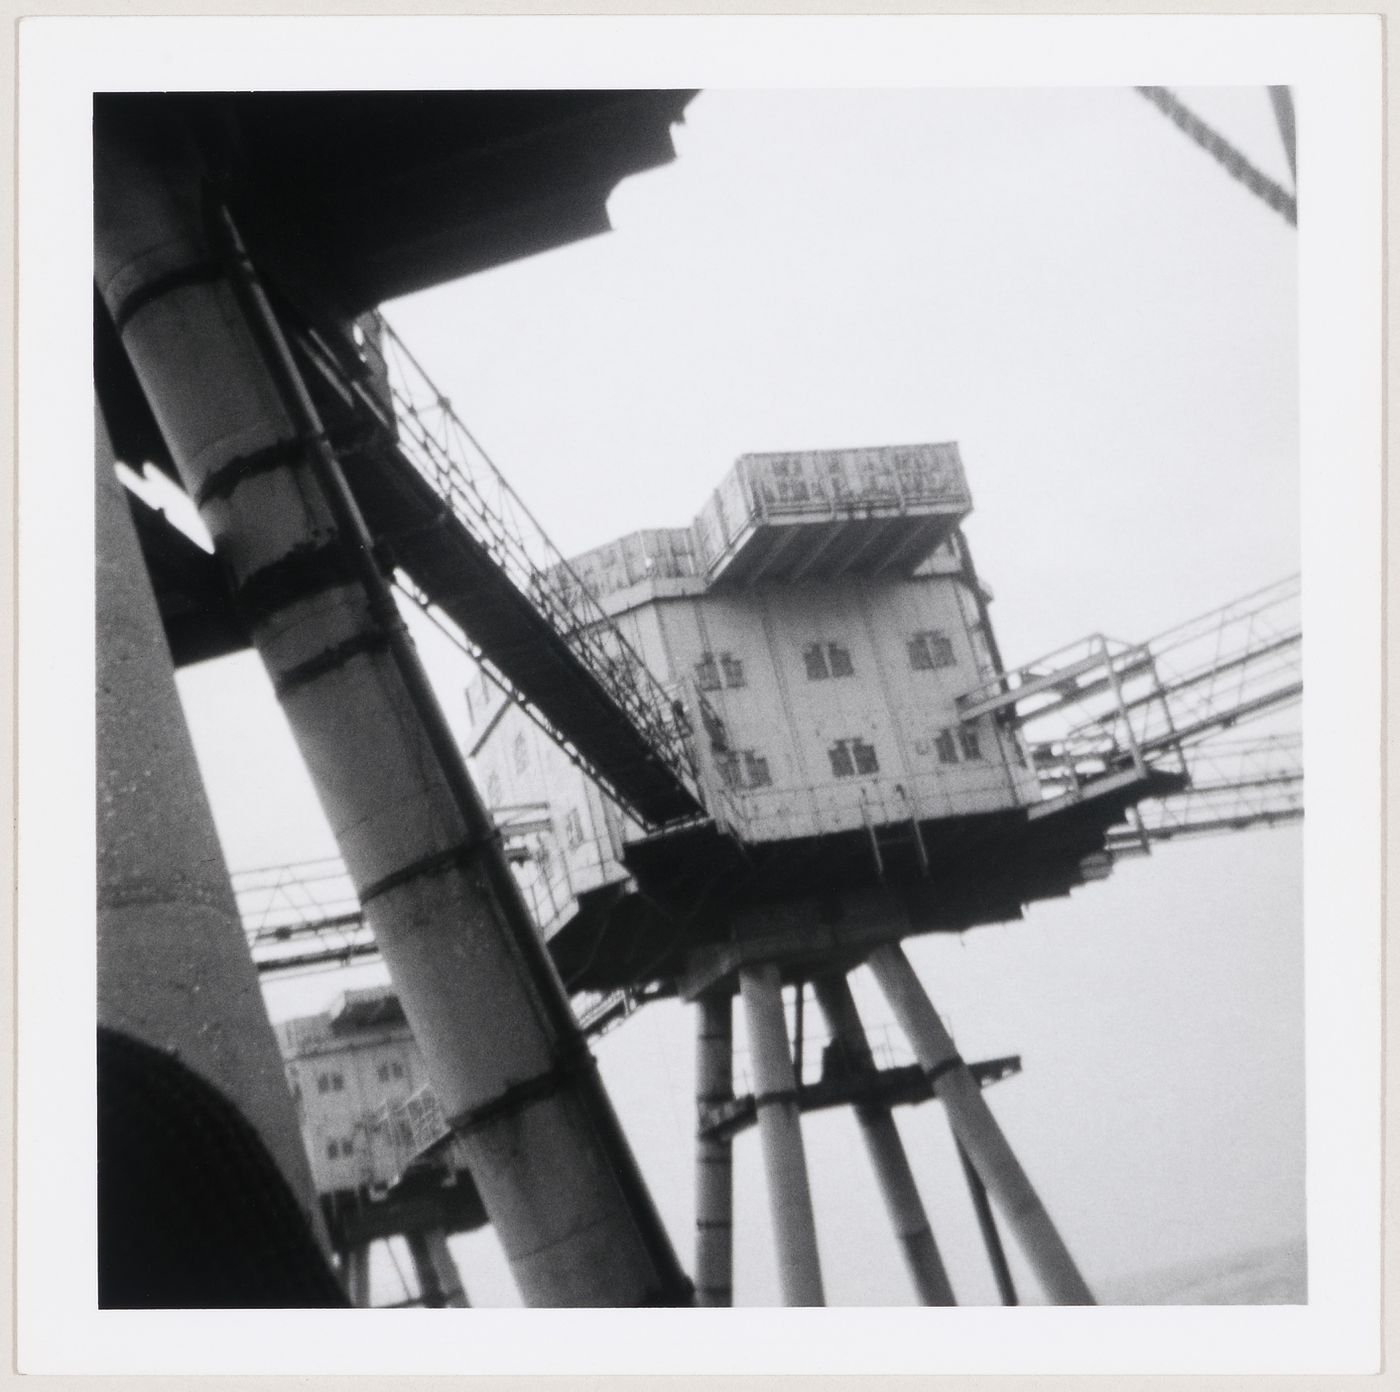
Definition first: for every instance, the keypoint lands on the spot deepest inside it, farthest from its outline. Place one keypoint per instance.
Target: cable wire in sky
(1220, 149)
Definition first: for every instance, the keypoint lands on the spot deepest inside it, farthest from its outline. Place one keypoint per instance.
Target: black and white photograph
(698, 702)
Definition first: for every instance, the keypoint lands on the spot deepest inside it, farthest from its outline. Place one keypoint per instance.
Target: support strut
(976, 1129)
(886, 1150)
(714, 1158)
(780, 1132)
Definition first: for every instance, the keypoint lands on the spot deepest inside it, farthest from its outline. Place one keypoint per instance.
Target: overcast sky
(1105, 321)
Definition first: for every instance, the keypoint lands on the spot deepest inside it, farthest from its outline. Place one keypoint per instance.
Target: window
(825, 660)
(946, 747)
(405, 1133)
(392, 1069)
(522, 753)
(338, 1149)
(573, 828)
(712, 673)
(931, 650)
(383, 1073)
(850, 757)
(333, 1150)
(330, 1082)
(742, 769)
(707, 673)
(971, 745)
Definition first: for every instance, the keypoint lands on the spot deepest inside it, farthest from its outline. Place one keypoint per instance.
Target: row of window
(928, 651)
(742, 769)
(335, 1082)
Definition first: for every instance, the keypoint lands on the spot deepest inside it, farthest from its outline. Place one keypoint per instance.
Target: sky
(1106, 323)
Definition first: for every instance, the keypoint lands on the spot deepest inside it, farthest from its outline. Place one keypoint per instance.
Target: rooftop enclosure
(814, 515)
(823, 514)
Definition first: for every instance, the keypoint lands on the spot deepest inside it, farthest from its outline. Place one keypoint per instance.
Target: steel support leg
(714, 1158)
(991, 1238)
(449, 1278)
(976, 1128)
(886, 1150)
(430, 1292)
(780, 1133)
(355, 1275)
(504, 1053)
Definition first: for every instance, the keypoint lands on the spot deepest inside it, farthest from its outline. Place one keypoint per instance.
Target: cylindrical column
(714, 1157)
(355, 1275)
(780, 1133)
(991, 1238)
(173, 967)
(449, 1277)
(430, 1292)
(504, 1053)
(886, 1150)
(976, 1128)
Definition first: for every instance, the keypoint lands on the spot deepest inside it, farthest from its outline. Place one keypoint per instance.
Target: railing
(1235, 784)
(433, 439)
(1100, 707)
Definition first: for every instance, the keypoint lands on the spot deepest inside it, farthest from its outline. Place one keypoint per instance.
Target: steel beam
(976, 1129)
(780, 1132)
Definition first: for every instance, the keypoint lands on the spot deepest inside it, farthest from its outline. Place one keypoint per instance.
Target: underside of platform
(698, 888)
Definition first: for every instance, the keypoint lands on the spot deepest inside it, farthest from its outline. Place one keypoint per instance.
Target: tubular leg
(454, 1293)
(355, 1273)
(714, 1160)
(976, 1128)
(430, 1292)
(886, 1150)
(780, 1132)
(987, 1221)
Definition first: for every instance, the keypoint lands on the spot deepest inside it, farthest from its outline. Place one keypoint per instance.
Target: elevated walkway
(466, 549)
(1099, 712)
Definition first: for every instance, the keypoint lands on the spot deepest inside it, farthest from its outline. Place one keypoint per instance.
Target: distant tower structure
(358, 1081)
(820, 627)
